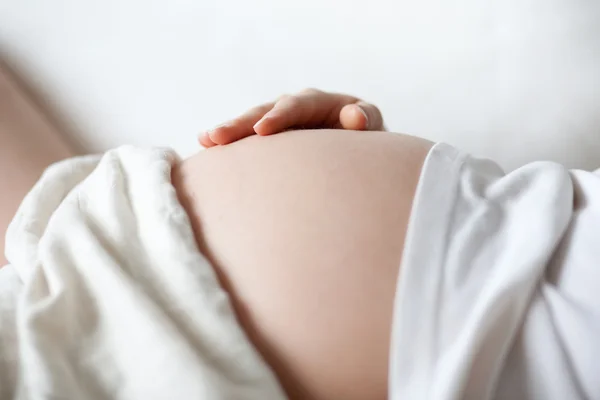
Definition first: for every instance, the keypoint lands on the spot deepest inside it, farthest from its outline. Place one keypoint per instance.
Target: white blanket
(107, 296)
(499, 291)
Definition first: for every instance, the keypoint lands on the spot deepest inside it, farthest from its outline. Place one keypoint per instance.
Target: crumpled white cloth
(499, 292)
(108, 297)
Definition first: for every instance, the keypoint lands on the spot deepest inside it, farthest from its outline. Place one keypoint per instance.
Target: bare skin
(28, 144)
(309, 108)
(306, 231)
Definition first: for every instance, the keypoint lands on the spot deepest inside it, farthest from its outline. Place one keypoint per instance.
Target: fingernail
(260, 121)
(204, 139)
(366, 117)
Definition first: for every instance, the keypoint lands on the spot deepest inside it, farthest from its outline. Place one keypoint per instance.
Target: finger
(353, 117)
(309, 108)
(205, 141)
(361, 116)
(239, 127)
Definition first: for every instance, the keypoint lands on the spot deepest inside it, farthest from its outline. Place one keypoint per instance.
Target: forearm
(28, 144)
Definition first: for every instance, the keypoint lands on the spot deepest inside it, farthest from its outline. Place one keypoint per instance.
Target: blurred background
(515, 80)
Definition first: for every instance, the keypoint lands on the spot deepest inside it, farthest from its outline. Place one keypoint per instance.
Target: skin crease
(306, 230)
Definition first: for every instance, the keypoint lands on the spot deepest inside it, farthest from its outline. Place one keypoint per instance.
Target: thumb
(361, 116)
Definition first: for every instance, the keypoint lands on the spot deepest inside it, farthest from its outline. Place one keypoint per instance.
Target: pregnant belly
(306, 231)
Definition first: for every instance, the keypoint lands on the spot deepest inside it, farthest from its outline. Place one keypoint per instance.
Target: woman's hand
(310, 108)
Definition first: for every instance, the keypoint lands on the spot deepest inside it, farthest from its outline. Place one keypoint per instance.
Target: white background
(516, 80)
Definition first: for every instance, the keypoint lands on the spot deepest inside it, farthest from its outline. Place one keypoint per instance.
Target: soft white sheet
(107, 296)
(499, 292)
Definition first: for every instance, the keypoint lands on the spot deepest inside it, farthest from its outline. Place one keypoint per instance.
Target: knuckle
(310, 91)
(257, 110)
(283, 97)
(292, 102)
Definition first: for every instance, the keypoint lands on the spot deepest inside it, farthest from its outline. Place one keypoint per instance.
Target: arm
(28, 144)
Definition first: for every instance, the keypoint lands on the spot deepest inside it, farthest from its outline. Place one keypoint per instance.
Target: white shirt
(499, 290)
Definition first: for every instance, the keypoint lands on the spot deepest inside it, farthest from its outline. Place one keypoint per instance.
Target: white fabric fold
(499, 289)
(108, 297)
